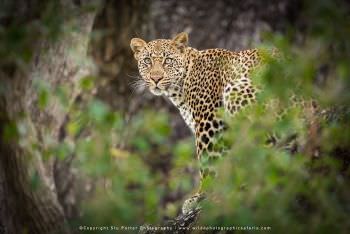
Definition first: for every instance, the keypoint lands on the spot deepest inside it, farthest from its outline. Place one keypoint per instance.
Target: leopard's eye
(147, 60)
(168, 61)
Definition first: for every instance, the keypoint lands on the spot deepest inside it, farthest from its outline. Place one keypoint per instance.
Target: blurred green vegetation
(124, 159)
(256, 185)
(293, 193)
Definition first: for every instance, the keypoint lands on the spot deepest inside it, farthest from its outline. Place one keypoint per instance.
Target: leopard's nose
(156, 78)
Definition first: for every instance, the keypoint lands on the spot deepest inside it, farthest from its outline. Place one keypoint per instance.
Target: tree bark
(22, 207)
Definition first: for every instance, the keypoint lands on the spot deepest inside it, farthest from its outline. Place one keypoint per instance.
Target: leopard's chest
(184, 110)
(187, 116)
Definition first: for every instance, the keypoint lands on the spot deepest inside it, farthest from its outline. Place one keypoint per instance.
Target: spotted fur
(197, 82)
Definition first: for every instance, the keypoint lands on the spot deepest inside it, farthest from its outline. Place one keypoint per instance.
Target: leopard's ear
(181, 41)
(137, 45)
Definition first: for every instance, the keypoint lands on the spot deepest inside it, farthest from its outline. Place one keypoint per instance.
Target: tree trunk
(25, 207)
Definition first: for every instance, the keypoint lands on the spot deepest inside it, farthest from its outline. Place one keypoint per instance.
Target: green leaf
(98, 111)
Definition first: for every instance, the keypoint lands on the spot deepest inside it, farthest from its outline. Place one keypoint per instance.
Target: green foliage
(293, 193)
(131, 190)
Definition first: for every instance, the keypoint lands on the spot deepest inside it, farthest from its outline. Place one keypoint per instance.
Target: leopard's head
(161, 62)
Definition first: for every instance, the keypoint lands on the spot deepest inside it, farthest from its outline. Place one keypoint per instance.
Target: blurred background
(81, 146)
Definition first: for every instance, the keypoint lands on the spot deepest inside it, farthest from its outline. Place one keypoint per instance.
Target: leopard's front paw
(192, 203)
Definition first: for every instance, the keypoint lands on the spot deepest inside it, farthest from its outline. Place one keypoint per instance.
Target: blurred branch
(179, 225)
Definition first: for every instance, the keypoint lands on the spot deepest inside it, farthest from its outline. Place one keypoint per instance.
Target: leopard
(199, 83)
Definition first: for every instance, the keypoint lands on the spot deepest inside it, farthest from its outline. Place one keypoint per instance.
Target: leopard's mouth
(160, 88)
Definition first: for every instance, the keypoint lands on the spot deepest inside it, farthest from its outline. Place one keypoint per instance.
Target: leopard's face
(161, 64)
